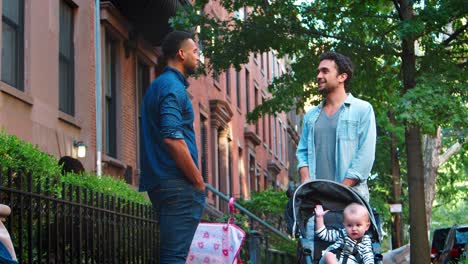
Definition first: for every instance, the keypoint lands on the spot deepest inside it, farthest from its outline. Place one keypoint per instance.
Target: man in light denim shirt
(339, 135)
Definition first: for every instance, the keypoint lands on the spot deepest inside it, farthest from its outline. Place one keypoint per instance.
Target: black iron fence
(75, 225)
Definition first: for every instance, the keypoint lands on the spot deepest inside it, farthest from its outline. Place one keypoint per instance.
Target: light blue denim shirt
(355, 143)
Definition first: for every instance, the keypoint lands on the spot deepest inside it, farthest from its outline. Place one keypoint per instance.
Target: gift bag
(216, 243)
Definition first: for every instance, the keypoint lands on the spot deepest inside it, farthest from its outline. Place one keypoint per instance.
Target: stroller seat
(334, 197)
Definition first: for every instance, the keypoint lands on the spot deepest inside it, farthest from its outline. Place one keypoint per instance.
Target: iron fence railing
(76, 225)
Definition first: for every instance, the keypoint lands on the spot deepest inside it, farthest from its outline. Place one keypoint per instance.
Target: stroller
(300, 215)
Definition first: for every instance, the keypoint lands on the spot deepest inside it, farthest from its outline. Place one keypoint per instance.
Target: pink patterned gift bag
(216, 243)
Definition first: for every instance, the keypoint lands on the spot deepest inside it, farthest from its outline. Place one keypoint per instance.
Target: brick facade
(240, 157)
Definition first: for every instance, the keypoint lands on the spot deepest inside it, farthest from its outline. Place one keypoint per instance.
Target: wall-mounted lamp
(80, 148)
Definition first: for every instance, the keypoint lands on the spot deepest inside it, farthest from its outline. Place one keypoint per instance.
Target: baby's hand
(319, 211)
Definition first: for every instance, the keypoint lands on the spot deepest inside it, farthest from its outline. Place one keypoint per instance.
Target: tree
(410, 59)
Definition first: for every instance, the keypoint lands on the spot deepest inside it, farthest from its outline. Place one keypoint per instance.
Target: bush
(106, 185)
(23, 158)
(20, 156)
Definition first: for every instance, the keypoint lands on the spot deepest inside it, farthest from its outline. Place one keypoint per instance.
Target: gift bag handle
(231, 211)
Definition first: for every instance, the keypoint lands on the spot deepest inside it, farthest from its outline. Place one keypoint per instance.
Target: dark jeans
(179, 208)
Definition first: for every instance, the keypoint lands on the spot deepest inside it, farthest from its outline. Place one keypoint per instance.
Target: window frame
(19, 41)
(280, 136)
(228, 82)
(240, 167)
(238, 89)
(247, 91)
(68, 105)
(111, 148)
(204, 147)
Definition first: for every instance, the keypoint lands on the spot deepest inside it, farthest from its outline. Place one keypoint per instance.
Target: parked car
(449, 244)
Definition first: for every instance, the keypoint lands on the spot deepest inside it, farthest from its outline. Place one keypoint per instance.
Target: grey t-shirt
(325, 141)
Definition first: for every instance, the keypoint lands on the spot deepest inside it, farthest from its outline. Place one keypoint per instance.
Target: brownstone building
(50, 96)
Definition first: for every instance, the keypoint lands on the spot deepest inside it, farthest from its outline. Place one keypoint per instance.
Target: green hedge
(21, 156)
(107, 185)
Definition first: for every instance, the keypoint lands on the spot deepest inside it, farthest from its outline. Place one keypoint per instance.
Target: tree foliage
(370, 34)
(375, 35)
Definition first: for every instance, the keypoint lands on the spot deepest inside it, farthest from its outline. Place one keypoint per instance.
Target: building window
(143, 81)
(252, 174)
(238, 89)
(257, 130)
(143, 75)
(273, 64)
(204, 148)
(201, 46)
(241, 172)
(228, 82)
(257, 175)
(280, 147)
(264, 118)
(268, 65)
(274, 137)
(262, 63)
(247, 92)
(111, 97)
(278, 69)
(265, 180)
(286, 143)
(216, 77)
(269, 133)
(256, 57)
(229, 156)
(66, 60)
(13, 42)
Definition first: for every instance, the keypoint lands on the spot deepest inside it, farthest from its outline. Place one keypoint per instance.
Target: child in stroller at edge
(352, 244)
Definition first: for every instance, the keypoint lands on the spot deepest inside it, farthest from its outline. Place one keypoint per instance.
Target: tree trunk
(397, 235)
(432, 161)
(419, 249)
(418, 225)
(431, 146)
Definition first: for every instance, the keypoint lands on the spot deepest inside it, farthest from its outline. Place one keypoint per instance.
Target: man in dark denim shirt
(169, 157)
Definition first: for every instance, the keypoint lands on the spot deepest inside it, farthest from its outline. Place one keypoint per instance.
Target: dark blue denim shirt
(166, 113)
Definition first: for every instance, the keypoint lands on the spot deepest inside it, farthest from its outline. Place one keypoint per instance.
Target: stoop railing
(256, 247)
(76, 225)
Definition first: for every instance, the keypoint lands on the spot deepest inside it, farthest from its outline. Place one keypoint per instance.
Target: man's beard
(190, 70)
(324, 91)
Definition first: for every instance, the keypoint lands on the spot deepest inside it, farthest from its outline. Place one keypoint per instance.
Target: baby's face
(356, 225)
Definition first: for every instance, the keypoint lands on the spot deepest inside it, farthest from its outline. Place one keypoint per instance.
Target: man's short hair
(343, 63)
(172, 43)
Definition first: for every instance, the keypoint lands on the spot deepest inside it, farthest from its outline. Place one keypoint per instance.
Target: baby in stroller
(310, 201)
(352, 244)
